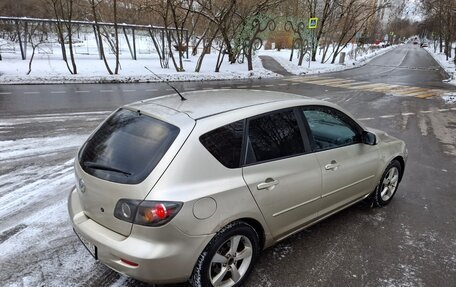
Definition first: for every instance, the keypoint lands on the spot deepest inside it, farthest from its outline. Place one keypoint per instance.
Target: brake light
(149, 213)
(161, 211)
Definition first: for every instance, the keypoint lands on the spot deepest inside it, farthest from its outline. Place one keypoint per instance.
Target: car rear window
(225, 143)
(127, 147)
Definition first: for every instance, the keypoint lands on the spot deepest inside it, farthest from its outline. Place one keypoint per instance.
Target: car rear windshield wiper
(94, 165)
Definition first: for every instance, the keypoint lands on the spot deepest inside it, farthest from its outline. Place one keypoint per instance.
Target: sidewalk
(269, 63)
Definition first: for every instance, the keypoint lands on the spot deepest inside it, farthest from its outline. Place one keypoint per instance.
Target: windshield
(127, 147)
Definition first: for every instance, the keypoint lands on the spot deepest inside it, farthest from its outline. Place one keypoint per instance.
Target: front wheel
(228, 259)
(388, 185)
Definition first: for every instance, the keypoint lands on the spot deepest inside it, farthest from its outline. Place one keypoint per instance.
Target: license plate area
(88, 245)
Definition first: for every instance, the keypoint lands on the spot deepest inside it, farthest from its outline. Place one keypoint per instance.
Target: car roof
(206, 103)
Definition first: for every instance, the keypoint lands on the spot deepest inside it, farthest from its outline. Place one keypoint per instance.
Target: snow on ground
(37, 244)
(49, 67)
(283, 57)
(449, 98)
(449, 66)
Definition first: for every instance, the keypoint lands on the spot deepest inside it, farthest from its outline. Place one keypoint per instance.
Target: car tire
(387, 187)
(220, 264)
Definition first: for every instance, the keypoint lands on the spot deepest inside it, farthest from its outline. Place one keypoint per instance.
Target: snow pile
(449, 98)
(448, 65)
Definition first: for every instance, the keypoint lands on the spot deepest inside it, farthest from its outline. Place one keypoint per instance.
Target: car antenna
(180, 95)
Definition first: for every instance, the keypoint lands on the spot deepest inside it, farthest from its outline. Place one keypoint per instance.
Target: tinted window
(274, 136)
(225, 143)
(330, 128)
(127, 147)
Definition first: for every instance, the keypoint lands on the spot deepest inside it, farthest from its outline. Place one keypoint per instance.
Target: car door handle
(332, 166)
(267, 184)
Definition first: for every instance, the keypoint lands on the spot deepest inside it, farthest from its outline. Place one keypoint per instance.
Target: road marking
(151, 90)
(5, 93)
(411, 91)
(241, 87)
(258, 86)
(340, 82)
(269, 86)
(82, 91)
(309, 79)
(367, 87)
(417, 92)
(385, 88)
(349, 85)
(330, 82)
(408, 114)
(282, 84)
(129, 91)
(95, 113)
(106, 91)
(426, 95)
(58, 92)
(170, 89)
(31, 93)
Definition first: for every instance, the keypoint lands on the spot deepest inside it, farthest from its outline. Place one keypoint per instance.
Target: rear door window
(225, 143)
(127, 147)
(273, 136)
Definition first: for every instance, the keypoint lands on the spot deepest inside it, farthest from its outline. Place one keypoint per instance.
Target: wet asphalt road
(411, 242)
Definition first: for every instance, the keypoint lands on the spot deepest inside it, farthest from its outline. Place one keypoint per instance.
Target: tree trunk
(31, 59)
(220, 57)
(116, 70)
(100, 40)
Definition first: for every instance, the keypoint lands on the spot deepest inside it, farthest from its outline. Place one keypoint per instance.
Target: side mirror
(369, 138)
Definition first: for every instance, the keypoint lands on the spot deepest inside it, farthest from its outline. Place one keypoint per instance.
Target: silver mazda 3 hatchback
(174, 189)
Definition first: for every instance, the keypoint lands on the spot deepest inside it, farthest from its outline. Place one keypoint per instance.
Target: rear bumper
(163, 254)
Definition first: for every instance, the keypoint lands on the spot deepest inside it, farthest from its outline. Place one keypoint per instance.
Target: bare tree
(94, 4)
(441, 14)
(63, 12)
(354, 14)
(36, 38)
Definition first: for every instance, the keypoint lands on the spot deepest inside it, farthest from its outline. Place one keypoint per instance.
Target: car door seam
(295, 206)
(347, 186)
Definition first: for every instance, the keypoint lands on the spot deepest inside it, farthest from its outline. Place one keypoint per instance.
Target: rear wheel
(228, 259)
(388, 185)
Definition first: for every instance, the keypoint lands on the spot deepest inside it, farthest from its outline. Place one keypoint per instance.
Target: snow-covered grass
(48, 66)
(283, 57)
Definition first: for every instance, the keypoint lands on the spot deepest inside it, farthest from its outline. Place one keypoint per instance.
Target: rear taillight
(149, 213)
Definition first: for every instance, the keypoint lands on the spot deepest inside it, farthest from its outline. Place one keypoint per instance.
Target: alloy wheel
(231, 261)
